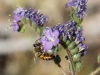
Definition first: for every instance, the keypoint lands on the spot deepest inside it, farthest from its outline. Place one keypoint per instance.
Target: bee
(38, 52)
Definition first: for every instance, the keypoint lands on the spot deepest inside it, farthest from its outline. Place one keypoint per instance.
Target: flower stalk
(96, 71)
(69, 57)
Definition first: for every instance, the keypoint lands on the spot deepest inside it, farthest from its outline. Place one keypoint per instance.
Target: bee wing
(34, 59)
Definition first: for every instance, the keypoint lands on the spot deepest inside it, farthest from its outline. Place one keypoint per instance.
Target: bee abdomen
(47, 57)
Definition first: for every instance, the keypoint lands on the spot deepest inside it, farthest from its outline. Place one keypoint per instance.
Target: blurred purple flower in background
(71, 3)
(49, 39)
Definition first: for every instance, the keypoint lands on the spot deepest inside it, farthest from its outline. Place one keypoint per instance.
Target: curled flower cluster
(70, 31)
(35, 16)
(79, 5)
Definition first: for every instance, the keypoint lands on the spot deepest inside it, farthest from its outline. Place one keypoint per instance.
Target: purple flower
(83, 52)
(49, 39)
(35, 16)
(18, 14)
(15, 21)
(67, 30)
(82, 46)
(80, 6)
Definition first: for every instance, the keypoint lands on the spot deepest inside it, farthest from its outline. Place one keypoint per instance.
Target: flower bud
(71, 45)
(76, 57)
(78, 65)
(67, 42)
(74, 51)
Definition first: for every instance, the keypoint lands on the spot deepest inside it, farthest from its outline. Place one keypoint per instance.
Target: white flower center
(51, 39)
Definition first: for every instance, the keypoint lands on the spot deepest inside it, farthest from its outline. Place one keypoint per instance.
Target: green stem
(61, 69)
(96, 71)
(70, 58)
(30, 24)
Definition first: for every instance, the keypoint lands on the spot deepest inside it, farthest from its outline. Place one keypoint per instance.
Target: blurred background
(16, 49)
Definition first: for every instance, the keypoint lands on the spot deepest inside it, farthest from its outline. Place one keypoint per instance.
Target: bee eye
(34, 45)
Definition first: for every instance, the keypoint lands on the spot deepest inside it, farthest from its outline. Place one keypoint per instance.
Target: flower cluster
(35, 16)
(70, 31)
(79, 5)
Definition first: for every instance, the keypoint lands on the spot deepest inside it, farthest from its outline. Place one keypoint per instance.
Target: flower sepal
(39, 29)
(55, 49)
(22, 27)
(71, 45)
(76, 57)
(78, 65)
(74, 51)
(75, 18)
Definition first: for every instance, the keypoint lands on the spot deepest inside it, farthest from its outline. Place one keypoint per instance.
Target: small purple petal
(48, 46)
(56, 42)
(16, 27)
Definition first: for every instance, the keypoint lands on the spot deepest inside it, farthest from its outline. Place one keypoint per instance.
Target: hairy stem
(61, 69)
(70, 58)
(71, 61)
(96, 71)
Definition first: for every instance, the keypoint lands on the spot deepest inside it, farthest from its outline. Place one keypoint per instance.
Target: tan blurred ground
(16, 48)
